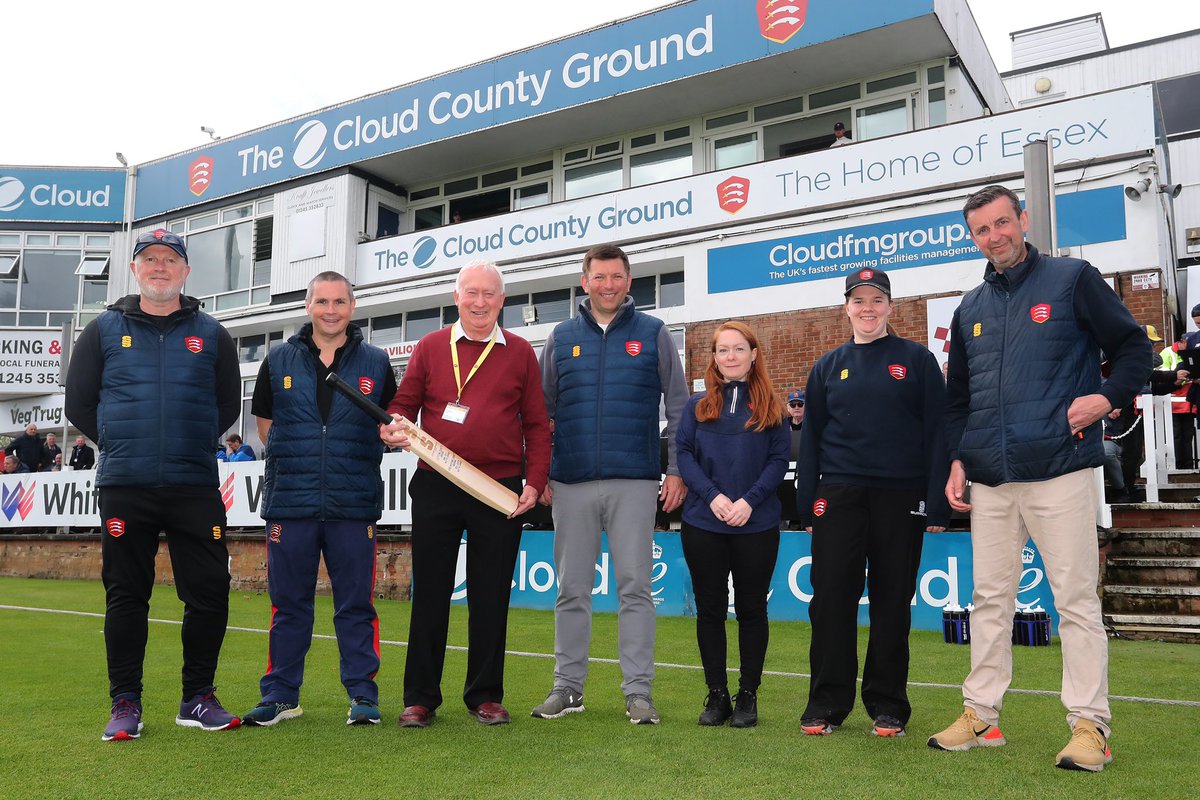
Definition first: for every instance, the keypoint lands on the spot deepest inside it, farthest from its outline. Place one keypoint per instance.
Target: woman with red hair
(732, 450)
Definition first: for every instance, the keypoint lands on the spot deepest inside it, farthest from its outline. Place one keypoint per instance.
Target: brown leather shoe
(490, 714)
(417, 717)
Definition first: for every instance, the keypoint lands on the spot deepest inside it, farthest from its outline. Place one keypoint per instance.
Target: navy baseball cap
(837, 126)
(1196, 310)
(163, 237)
(796, 396)
(868, 277)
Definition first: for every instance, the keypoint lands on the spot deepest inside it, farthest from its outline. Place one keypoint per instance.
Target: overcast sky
(85, 79)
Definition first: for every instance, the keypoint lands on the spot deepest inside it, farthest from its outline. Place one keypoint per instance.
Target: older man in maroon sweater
(479, 392)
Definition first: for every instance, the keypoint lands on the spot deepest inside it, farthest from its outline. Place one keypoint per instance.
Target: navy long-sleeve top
(725, 457)
(874, 417)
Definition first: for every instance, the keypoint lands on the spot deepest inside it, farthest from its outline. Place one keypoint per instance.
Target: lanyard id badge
(455, 412)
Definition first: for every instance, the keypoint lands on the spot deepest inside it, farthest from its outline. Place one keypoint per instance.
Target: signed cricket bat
(449, 464)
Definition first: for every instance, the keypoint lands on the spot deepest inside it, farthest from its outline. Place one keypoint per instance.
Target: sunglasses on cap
(163, 237)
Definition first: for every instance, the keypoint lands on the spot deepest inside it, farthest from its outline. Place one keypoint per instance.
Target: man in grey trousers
(604, 373)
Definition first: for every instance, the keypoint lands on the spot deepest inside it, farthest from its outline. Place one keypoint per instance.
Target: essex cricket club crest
(275, 532)
(733, 193)
(365, 385)
(780, 20)
(200, 175)
(115, 527)
(819, 507)
(18, 500)
(1040, 313)
(227, 492)
(897, 371)
(194, 343)
(633, 348)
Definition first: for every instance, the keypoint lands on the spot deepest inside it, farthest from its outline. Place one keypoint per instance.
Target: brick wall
(77, 557)
(794, 340)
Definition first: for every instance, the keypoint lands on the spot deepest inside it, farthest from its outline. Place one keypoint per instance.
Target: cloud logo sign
(11, 194)
(424, 252)
(310, 144)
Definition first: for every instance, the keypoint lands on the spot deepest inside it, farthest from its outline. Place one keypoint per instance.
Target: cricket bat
(445, 461)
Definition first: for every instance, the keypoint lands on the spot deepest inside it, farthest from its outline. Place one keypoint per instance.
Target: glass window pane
(553, 306)
(512, 316)
(266, 206)
(422, 194)
(432, 217)
(531, 196)
(500, 177)
(221, 261)
(421, 322)
(48, 279)
(68, 240)
(882, 120)
(677, 133)
(95, 295)
(179, 226)
(387, 221)
(274, 337)
(575, 155)
(233, 214)
(252, 348)
(449, 315)
(34, 239)
(735, 151)
(797, 136)
(936, 74)
(8, 264)
(99, 240)
(262, 273)
(642, 292)
(726, 120)
(893, 82)
(92, 265)
(387, 330)
(464, 185)
(206, 221)
(10, 239)
(233, 300)
(534, 169)
(260, 294)
(644, 140)
(783, 108)
(593, 179)
(8, 295)
(660, 165)
(829, 97)
(670, 290)
(937, 106)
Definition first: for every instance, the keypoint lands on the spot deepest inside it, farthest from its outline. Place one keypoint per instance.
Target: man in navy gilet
(322, 496)
(154, 382)
(1024, 405)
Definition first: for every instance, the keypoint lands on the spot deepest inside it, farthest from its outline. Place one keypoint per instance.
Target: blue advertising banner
(61, 194)
(944, 578)
(1083, 218)
(654, 48)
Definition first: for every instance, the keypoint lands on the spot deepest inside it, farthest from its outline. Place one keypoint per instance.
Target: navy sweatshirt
(874, 417)
(725, 457)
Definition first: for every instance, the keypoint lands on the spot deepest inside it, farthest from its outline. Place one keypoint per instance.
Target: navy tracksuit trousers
(294, 550)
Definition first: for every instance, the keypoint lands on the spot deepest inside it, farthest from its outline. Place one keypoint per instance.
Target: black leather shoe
(745, 710)
(716, 707)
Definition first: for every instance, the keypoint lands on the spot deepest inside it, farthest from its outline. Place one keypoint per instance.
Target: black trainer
(717, 707)
(745, 709)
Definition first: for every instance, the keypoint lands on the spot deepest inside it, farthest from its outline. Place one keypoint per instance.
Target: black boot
(745, 712)
(716, 707)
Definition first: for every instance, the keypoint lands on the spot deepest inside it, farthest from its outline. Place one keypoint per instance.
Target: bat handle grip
(359, 399)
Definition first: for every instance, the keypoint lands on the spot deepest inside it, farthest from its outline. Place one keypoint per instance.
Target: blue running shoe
(126, 720)
(363, 711)
(204, 711)
(267, 714)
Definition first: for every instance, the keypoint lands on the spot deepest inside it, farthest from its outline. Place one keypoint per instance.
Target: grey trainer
(560, 702)
(640, 710)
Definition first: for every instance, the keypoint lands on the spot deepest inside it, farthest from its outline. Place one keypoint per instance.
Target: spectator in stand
(82, 456)
(235, 450)
(841, 136)
(13, 466)
(51, 455)
(29, 448)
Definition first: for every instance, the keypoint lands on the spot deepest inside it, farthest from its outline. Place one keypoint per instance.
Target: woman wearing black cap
(871, 473)
(732, 449)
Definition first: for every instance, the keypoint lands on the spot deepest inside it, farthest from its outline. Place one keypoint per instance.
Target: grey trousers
(624, 509)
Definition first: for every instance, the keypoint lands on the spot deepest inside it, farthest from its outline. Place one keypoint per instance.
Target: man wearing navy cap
(154, 381)
(787, 489)
(840, 135)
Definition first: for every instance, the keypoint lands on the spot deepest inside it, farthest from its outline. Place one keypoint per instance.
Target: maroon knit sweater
(506, 433)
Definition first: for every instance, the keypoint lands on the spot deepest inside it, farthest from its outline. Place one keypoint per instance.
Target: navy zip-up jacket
(723, 456)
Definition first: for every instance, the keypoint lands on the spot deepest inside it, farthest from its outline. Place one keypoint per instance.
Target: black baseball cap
(164, 237)
(837, 126)
(868, 277)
